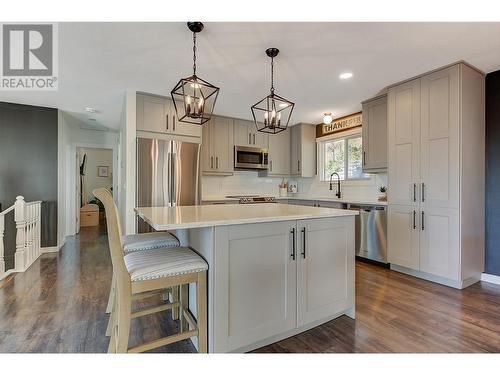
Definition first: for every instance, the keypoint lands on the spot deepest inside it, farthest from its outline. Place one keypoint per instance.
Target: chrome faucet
(338, 193)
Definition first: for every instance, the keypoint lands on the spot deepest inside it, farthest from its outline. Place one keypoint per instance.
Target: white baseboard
(50, 249)
(494, 279)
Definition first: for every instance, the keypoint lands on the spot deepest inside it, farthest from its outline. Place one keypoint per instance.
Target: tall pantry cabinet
(436, 176)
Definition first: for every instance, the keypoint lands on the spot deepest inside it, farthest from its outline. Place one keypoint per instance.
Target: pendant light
(194, 98)
(272, 114)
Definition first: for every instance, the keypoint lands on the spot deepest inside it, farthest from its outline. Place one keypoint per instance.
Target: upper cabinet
(217, 146)
(279, 154)
(157, 114)
(246, 134)
(375, 134)
(303, 150)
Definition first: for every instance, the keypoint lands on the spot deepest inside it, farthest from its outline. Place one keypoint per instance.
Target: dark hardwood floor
(58, 306)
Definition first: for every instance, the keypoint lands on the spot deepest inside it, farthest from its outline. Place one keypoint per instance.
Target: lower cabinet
(325, 275)
(403, 236)
(274, 278)
(439, 241)
(424, 239)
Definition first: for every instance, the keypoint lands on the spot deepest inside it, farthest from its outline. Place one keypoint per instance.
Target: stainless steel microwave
(251, 157)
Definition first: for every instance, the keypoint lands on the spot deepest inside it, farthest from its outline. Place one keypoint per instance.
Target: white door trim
(71, 181)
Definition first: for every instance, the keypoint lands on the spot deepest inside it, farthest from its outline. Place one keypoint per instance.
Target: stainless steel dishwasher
(371, 232)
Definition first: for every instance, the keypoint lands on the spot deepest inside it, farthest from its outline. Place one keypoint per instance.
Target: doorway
(93, 168)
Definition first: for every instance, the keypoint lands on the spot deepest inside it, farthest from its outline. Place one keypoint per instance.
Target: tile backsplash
(248, 182)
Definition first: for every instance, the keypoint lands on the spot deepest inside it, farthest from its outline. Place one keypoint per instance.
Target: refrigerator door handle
(174, 179)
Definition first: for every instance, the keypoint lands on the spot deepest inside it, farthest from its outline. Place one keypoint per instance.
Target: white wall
(71, 136)
(248, 182)
(96, 157)
(128, 144)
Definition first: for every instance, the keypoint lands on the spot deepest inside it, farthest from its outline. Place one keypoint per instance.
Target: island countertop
(184, 217)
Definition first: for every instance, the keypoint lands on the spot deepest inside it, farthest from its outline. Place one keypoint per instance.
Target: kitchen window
(344, 155)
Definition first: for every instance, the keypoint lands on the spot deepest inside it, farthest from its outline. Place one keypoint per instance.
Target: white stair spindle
(20, 219)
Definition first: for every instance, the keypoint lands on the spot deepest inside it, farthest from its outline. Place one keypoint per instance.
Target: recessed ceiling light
(90, 110)
(345, 75)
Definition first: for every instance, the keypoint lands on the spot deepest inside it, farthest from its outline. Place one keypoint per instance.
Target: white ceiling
(99, 61)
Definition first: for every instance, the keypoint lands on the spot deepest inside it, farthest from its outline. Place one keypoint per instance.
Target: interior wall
(96, 157)
(492, 256)
(75, 135)
(248, 182)
(28, 167)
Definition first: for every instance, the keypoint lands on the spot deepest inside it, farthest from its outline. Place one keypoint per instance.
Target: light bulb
(327, 118)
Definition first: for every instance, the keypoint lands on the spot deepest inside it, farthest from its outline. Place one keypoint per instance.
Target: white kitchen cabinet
(374, 133)
(436, 170)
(439, 242)
(256, 291)
(303, 150)
(279, 154)
(152, 113)
(156, 114)
(217, 146)
(325, 286)
(439, 139)
(404, 142)
(268, 284)
(403, 231)
(246, 134)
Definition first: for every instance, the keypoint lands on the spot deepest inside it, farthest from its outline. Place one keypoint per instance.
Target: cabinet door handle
(166, 121)
(423, 192)
(249, 138)
(173, 122)
(298, 165)
(423, 221)
(364, 157)
(293, 243)
(270, 165)
(254, 138)
(414, 219)
(303, 242)
(211, 162)
(414, 192)
(216, 162)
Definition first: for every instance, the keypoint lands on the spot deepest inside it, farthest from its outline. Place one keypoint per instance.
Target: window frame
(345, 136)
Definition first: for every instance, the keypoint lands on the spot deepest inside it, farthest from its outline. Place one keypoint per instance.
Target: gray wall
(492, 265)
(28, 166)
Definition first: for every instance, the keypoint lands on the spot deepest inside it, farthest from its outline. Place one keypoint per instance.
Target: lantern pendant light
(272, 114)
(194, 98)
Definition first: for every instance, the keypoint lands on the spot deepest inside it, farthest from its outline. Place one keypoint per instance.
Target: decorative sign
(340, 124)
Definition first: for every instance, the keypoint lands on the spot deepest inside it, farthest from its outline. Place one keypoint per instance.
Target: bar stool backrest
(114, 233)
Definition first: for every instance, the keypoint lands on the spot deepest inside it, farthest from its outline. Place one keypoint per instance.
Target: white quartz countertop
(371, 202)
(183, 217)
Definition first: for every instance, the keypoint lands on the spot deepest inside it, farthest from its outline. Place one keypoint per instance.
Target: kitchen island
(274, 269)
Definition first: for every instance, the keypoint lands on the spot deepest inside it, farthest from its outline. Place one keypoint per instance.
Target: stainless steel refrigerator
(168, 174)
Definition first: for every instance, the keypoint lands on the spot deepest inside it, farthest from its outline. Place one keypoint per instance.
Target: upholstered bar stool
(144, 241)
(142, 272)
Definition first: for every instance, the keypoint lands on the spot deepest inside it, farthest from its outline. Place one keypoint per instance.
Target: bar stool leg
(124, 316)
(201, 297)
(175, 298)
(184, 301)
(111, 297)
(112, 317)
